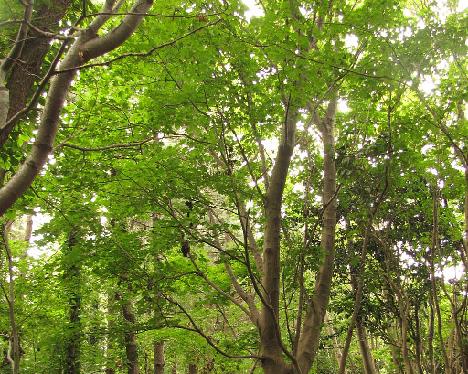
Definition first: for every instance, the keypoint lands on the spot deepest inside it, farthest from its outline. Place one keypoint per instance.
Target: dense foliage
(210, 186)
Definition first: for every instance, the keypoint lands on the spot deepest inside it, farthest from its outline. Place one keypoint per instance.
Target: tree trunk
(417, 338)
(110, 327)
(462, 342)
(366, 354)
(14, 351)
(430, 337)
(356, 321)
(404, 312)
(395, 352)
(433, 250)
(29, 229)
(21, 77)
(462, 332)
(309, 340)
(72, 278)
(336, 344)
(192, 369)
(270, 339)
(158, 348)
(131, 351)
(357, 285)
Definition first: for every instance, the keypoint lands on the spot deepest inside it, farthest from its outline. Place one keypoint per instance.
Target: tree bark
(270, 339)
(433, 250)
(10, 60)
(309, 341)
(21, 76)
(14, 349)
(417, 338)
(72, 277)
(356, 323)
(131, 350)
(159, 362)
(462, 342)
(394, 350)
(430, 337)
(459, 314)
(192, 369)
(357, 286)
(366, 354)
(110, 363)
(403, 308)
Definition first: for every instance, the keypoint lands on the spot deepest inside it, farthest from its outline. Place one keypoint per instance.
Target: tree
(87, 46)
(251, 192)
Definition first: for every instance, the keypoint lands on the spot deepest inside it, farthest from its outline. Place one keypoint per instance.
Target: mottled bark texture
(159, 362)
(72, 279)
(23, 73)
(131, 349)
(14, 349)
(130, 340)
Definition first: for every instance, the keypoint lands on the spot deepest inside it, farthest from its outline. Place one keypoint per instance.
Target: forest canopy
(233, 186)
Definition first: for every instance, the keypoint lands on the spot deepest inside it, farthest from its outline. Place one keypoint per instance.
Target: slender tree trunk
(395, 352)
(404, 313)
(159, 363)
(367, 359)
(434, 249)
(131, 351)
(72, 278)
(417, 338)
(462, 342)
(336, 344)
(356, 321)
(14, 351)
(110, 326)
(357, 286)
(22, 76)
(452, 354)
(192, 369)
(462, 332)
(270, 339)
(338, 352)
(430, 338)
(309, 341)
(29, 229)
(349, 336)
